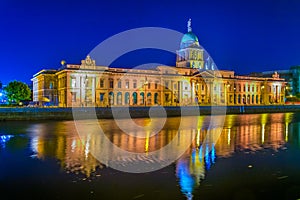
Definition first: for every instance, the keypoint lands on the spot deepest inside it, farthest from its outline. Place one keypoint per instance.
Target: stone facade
(193, 81)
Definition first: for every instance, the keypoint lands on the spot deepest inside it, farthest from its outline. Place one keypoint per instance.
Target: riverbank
(7, 114)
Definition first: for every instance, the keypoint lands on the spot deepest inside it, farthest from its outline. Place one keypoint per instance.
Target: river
(249, 156)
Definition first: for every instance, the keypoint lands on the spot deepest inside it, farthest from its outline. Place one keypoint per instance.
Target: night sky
(245, 36)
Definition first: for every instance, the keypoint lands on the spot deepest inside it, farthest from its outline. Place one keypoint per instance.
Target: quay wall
(25, 113)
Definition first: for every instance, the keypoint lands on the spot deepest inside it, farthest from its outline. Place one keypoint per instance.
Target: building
(291, 76)
(193, 81)
(3, 97)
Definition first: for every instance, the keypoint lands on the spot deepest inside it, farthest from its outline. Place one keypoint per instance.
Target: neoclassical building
(193, 81)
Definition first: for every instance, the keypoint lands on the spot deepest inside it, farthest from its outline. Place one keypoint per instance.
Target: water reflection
(62, 142)
(4, 139)
(243, 133)
(240, 133)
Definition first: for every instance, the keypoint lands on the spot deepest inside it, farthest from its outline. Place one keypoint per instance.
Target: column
(193, 92)
(93, 92)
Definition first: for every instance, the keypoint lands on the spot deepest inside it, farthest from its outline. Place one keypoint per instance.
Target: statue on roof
(189, 25)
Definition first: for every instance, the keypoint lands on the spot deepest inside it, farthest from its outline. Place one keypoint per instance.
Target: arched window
(149, 100)
(127, 98)
(156, 98)
(134, 98)
(142, 98)
(111, 98)
(119, 98)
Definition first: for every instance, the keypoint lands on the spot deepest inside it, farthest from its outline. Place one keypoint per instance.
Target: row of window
(236, 87)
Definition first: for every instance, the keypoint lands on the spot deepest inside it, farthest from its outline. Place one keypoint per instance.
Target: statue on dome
(189, 25)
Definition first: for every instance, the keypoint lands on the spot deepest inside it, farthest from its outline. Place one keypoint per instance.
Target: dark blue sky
(244, 36)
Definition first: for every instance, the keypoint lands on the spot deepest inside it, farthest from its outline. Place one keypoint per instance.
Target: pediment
(206, 74)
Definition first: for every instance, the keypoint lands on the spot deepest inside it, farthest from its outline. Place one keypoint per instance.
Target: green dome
(189, 40)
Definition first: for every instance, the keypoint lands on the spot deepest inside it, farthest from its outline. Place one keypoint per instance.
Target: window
(101, 83)
(73, 82)
(111, 83)
(51, 85)
(127, 84)
(101, 97)
(166, 84)
(156, 83)
(202, 87)
(149, 85)
(73, 96)
(134, 84)
(119, 83)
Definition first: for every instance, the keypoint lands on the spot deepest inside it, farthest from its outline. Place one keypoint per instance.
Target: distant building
(3, 98)
(291, 76)
(193, 81)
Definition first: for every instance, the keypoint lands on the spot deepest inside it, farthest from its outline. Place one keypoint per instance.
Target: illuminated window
(73, 82)
(127, 84)
(73, 96)
(101, 97)
(119, 83)
(101, 83)
(111, 83)
(51, 85)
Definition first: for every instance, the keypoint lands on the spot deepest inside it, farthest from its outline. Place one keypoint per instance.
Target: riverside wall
(24, 113)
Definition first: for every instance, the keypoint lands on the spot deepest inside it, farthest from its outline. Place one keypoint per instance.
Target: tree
(17, 91)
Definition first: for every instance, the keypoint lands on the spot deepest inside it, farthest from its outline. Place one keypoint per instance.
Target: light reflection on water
(241, 133)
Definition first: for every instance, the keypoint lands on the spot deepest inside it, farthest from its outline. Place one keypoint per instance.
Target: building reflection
(240, 133)
(66, 146)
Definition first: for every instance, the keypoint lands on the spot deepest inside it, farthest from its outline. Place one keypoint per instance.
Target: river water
(250, 156)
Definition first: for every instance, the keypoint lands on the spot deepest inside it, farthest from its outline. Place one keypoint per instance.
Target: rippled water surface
(248, 157)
